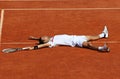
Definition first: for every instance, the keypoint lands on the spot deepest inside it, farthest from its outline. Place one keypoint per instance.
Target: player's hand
(28, 48)
(31, 37)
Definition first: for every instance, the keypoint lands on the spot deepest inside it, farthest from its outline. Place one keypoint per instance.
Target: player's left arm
(37, 47)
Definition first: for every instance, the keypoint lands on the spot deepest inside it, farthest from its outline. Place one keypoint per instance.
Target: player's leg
(93, 38)
(98, 48)
(104, 34)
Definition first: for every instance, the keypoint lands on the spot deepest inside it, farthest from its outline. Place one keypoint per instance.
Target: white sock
(101, 35)
(100, 48)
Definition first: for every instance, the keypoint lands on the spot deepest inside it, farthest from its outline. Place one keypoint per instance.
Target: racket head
(9, 50)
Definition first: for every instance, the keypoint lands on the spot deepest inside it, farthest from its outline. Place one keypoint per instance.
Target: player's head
(44, 39)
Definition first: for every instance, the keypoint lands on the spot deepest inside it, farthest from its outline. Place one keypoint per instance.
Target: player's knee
(86, 44)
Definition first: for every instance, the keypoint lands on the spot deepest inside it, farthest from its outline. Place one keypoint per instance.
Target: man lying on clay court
(82, 41)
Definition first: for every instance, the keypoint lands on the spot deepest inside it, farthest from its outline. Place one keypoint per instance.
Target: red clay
(59, 62)
(61, 4)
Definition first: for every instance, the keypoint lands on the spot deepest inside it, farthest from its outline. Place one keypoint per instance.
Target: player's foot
(105, 48)
(105, 31)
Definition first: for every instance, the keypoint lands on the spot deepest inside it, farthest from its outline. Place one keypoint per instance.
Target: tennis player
(82, 41)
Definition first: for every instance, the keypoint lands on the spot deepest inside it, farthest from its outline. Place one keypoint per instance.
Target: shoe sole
(108, 50)
(106, 32)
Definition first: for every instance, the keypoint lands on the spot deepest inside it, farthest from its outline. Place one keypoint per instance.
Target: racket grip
(19, 49)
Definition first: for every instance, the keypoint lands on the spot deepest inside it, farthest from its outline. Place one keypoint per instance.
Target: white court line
(63, 9)
(109, 42)
(1, 23)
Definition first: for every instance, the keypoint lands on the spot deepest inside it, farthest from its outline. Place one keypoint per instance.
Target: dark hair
(41, 41)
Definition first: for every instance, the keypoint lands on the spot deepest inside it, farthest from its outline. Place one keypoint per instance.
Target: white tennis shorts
(79, 40)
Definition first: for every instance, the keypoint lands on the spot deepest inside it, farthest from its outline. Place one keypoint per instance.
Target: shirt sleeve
(51, 44)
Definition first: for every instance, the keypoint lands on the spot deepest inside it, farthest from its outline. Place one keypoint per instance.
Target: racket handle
(19, 49)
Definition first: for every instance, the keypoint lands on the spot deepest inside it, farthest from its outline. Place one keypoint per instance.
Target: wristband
(35, 47)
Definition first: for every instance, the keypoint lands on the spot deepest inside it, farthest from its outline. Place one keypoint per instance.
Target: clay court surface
(21, 19)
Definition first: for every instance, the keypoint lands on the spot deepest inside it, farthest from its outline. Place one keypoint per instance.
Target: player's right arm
(11, 50)
(37, 47)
